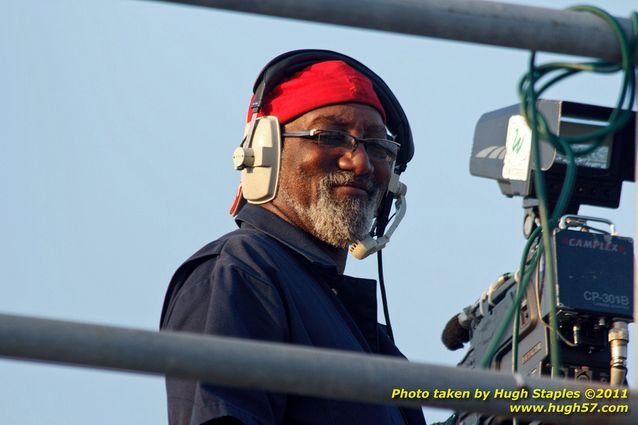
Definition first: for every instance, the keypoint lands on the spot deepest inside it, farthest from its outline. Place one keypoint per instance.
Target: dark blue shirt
(271, 281)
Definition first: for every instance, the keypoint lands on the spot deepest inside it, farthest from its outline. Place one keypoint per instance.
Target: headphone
(259, 155)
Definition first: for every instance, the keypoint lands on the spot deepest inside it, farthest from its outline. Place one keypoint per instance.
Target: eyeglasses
(341, 142)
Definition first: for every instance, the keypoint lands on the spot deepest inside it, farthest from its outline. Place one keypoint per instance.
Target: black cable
(383, 218)
(384, 299)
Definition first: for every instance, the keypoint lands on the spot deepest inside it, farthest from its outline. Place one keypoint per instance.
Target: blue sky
(117, 124)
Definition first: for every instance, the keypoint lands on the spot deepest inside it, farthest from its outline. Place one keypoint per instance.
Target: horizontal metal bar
(484, 22)
(279, 367)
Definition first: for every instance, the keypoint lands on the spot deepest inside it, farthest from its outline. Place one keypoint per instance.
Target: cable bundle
(534, 83)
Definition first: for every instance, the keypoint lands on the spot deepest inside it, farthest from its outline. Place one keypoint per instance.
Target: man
(280, 276)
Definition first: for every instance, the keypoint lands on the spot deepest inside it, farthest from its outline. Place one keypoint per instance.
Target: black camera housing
(599, 175)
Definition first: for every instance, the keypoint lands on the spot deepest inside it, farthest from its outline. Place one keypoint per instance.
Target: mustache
(339, 178)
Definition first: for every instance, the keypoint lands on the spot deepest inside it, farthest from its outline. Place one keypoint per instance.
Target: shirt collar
(286, 233)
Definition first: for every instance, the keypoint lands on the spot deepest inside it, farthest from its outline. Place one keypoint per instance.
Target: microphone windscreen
(454, 335)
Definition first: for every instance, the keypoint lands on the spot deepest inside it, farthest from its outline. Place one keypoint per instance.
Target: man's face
(333, 196)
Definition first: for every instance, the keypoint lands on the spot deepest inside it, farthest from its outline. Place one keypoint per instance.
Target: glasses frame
(388, 143)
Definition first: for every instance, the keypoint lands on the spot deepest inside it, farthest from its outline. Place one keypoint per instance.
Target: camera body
(593, 266)
(594, 289)
(594, 297)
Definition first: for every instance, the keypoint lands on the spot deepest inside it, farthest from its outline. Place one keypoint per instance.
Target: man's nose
(357, 161)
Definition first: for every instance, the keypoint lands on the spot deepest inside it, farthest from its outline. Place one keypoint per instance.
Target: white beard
(337, 223)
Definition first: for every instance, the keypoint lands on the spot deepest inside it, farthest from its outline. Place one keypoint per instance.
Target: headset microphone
(370, 245)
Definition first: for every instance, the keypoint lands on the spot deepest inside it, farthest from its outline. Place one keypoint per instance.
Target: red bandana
(320, 84)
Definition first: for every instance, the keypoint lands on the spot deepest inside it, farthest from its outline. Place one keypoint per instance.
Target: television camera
(594, 265)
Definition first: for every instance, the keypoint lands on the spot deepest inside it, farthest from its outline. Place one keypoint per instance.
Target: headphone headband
(286, 64)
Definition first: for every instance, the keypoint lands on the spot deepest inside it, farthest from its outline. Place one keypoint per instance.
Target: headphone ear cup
(259, 160)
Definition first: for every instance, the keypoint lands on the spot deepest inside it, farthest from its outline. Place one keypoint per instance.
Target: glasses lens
(377, 148)
(381, 149)
(335, 139)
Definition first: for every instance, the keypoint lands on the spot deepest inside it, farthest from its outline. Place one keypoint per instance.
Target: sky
(118, 120)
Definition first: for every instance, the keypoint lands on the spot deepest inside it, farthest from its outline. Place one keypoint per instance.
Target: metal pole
(484, 22)
(285, 368)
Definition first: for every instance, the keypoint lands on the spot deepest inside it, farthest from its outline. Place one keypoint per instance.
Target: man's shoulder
(242, 246)
(247, 251)
(246, 254)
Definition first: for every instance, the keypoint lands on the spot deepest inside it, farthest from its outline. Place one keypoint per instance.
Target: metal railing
(472, 21)
(287, 368)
